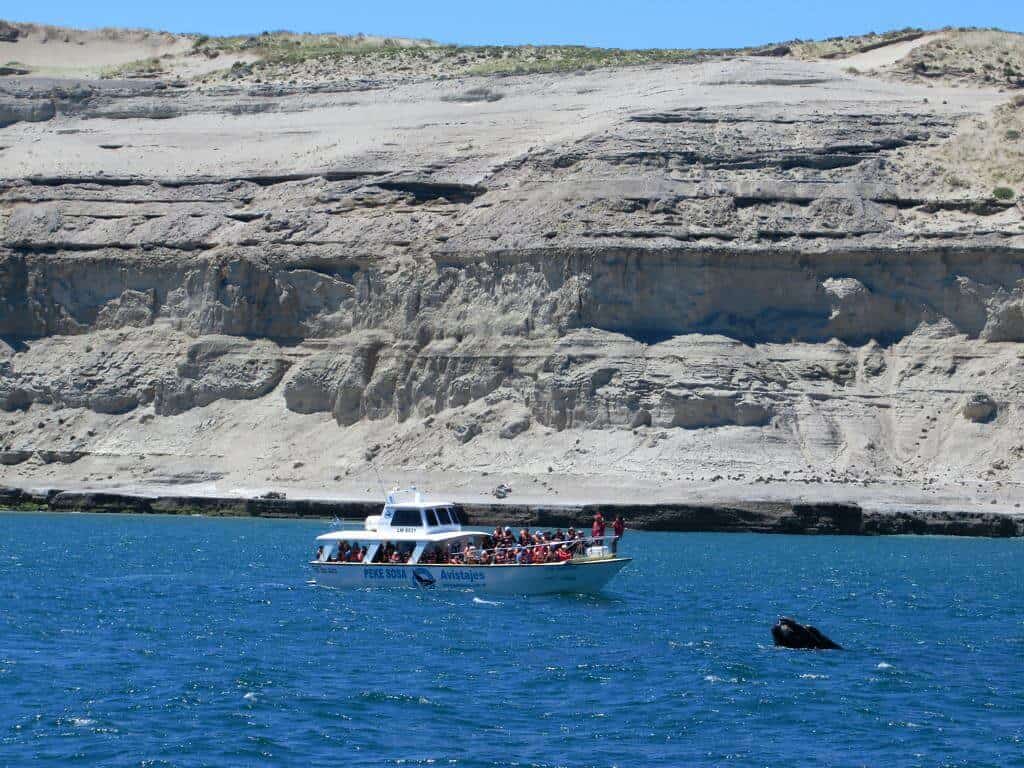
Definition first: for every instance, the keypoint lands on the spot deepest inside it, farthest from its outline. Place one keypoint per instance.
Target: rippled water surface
(190, 641)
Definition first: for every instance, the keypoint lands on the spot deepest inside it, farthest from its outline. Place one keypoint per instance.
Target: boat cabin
(412, 524)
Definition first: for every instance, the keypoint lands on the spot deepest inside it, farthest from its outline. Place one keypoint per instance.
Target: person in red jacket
(597, 529)
(618, 528)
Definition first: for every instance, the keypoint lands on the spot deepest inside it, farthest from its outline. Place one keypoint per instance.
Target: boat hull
(585, 576)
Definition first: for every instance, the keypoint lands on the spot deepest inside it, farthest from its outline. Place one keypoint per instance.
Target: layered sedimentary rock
(715, 265)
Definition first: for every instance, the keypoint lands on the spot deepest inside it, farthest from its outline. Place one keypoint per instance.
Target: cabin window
(456, 517)
(442, 515)
(406, 518)
(432, 517)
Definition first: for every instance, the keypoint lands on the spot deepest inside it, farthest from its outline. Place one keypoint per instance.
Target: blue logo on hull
(423, 577)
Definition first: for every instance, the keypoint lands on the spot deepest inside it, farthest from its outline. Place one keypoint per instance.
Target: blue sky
(624, 23)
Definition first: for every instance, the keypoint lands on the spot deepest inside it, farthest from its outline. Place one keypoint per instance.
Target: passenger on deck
(597, 529)
(506, 541)
(618, 528)
(562, 553)
(570, 538)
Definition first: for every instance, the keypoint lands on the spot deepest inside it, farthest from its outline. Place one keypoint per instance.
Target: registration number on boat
(383, 573)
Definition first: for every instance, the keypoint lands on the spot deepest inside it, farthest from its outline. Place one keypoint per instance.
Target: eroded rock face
(131, 308)
(747, 273)
(110, 373)
(220, 367)
(710, 408)
(15, 111)
(316, 385)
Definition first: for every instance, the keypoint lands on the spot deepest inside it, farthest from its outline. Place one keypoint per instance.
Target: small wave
(716, 679)
(250, 696)
(481, 601)
(82, 722)
(392, 698)
(884, 665)
(810, 676)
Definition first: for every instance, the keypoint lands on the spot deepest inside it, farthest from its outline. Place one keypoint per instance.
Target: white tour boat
(425, 534)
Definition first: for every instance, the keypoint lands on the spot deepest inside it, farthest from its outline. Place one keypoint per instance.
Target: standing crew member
(618, 528)
(597, 529)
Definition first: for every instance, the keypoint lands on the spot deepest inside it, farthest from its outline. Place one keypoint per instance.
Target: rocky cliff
(735, 275)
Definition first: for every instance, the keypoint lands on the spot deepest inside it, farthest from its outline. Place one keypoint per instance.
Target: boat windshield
(407, 518)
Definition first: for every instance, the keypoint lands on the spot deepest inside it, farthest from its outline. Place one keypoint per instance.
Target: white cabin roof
(411, 498)
(389, 534)
(419, 504)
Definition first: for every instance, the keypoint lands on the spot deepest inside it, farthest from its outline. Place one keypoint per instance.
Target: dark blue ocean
(176, 641)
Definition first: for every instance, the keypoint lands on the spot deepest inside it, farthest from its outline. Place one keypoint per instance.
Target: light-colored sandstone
(744, 276)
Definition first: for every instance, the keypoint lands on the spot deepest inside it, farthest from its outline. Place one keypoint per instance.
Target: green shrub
(1003, 193)
(1012, 134)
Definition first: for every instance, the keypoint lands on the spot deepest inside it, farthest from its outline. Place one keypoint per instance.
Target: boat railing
(574, 544)
(579, 548)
